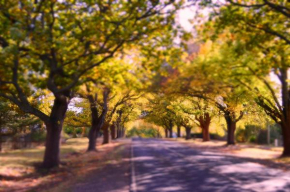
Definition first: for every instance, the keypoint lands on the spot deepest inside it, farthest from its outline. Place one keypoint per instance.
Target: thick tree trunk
(105, 129)
(231, 127)
(204, 122)
(54, 127)
(113, 131)
(205, 133)
(166, 133)
(286, 139)
(188, 133)
(170, 132)
(93, 137)
(178, 131)
(52, 145)
(0, 138)
(97, 121)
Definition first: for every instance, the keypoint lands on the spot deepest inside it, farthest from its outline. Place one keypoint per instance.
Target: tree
(51, 45)
(241, 21)
(211, 85)
(159, 111)
(118, 106)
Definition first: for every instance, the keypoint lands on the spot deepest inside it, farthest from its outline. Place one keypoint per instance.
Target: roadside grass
(284, 160)
(243, 150)
(18, 170)
(18, 163)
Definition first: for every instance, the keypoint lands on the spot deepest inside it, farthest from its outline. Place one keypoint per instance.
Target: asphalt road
(159, 165)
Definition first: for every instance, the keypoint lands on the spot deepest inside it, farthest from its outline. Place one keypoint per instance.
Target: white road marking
(133, 176)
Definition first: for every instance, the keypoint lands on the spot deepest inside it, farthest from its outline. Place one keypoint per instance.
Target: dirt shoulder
(110, 173)
(266, 155)
(76, 164)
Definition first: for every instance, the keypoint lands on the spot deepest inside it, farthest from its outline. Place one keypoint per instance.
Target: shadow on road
(169, 166)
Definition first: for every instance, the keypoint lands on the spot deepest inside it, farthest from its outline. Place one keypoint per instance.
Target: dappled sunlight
(180, 168)
(19, 174)
(142, 158)
(242, 168)
(20, 163)
(274, 184)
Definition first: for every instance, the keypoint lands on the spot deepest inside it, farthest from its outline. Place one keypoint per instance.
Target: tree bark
(105, 129)
(123, 132)
(93, 137)
(54, 127)
(113, 131)
(96, 120)
(178, 131)
(0, 137)
(286, 139)
(170, 132)
(204, 122)
(166, 132)
(118, 132)
(231, 127)
(0, 146)
(205, 134)
(188, 133)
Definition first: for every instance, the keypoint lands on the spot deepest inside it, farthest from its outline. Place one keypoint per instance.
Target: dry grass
(252, 151)
(18, 172)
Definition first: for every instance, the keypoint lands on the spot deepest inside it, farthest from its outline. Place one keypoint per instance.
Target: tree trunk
(113, 131)
(166, 133)
(188, 133)
(170, 132)
(231, 127)
(123, 132)
(205, 134)
(97, 121)
(0, 137)
(54, 127)
(52, 145)
(93, 137)
(83, 131)
(178, 131)
(119, 131)
(105, 129)
(204, 122)
(286, 139)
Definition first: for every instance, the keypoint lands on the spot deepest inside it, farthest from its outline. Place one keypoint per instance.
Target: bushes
(213, 136)
(75, 131)
(38, 136)
(258, 134)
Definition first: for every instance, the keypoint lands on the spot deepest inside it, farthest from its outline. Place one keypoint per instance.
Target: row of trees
(106, 53)
(235, 72)
(54, 48)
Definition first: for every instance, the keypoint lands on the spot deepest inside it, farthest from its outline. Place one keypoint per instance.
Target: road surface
(156, 165)
(160, 165)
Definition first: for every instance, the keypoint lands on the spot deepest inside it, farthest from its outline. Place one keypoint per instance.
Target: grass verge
(18, 172)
